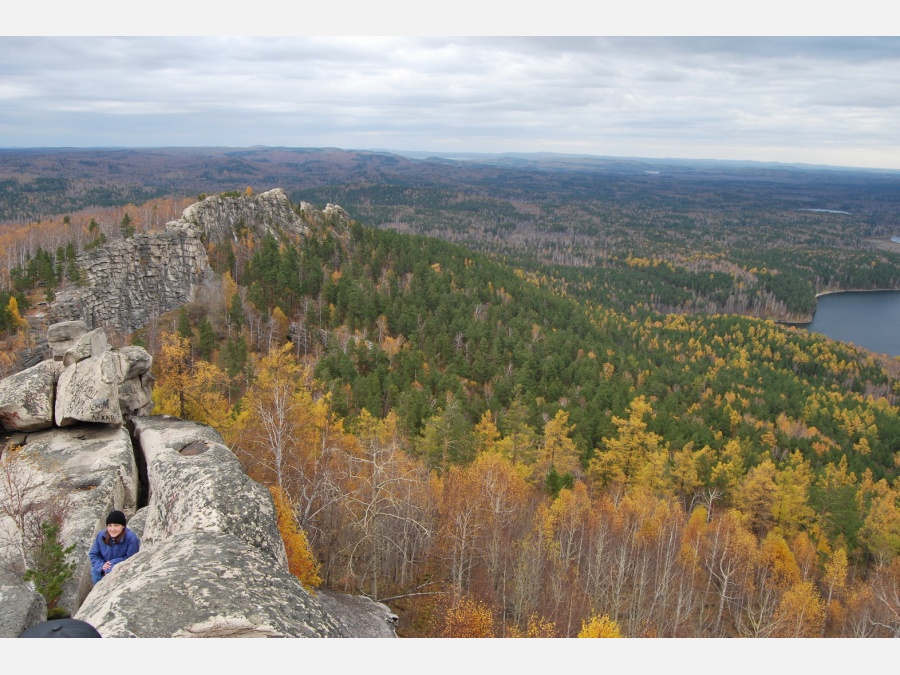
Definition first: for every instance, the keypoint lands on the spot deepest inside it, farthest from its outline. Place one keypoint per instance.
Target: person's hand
(106, 566)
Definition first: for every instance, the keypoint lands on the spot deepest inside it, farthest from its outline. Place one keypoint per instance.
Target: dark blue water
(870, 320)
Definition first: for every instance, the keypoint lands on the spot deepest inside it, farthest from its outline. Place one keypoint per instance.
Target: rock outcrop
(221, 218)
(212, 562)
(27, 398)
(204, 512)
(197, 484)
(128, 281)
(78, 476)
(85, 382)
(22, 607)
(204, 584)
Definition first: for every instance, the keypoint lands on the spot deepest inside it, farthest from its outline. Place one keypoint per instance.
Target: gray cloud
(822, 100)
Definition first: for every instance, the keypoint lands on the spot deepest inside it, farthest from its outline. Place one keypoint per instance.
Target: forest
(672, 236)
(498, 441)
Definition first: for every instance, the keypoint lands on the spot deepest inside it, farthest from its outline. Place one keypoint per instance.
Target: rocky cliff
(212, 562)
(128, 281)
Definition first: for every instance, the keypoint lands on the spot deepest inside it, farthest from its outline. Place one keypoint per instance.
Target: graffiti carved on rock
(85, 381)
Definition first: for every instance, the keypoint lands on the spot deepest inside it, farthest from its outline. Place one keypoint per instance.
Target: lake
(867, 319)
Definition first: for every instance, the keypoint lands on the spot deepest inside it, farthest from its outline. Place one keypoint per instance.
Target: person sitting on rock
(112, 546)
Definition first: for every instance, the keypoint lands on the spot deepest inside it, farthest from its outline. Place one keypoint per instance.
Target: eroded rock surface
(63, 335)
(204, 584)
(90, 344)
(21, 607)
(105, 388)
(128, 281)
(358, 615)
(212, 562)
(197, 484)
(27, 398)
(88, 391)
(83, 474)
(220, 218)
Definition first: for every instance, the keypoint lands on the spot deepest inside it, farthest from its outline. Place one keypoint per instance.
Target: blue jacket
(113, 551)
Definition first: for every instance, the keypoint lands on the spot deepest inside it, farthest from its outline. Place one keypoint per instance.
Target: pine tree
(236, 311)
(235, 355)
(50, 569)
(126, 227)
(207, 344)
(184, 325)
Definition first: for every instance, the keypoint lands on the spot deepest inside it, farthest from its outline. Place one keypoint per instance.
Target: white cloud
(780, 99)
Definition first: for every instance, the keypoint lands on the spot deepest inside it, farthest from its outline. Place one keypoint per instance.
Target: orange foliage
(801, 612)
(536, 628)
(301, 561)
(469, 618)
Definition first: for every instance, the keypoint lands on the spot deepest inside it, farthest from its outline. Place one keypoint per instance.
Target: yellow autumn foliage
(469, 618)
(599, 627)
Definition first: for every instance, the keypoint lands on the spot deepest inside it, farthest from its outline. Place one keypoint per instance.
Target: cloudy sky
(832, 100)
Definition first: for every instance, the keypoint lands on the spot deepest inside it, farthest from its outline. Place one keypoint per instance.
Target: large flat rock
(197, 484)
(204, 584)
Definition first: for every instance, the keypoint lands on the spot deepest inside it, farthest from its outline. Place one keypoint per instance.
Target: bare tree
(26, 501)
(390, 517)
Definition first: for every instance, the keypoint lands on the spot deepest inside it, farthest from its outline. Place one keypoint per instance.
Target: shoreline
(858, 290)
(834, 292)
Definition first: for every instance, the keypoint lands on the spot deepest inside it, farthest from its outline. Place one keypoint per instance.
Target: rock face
(88, 392)
(27, 398)
(79, 474)
(231, 578)
(106, 388)
(22, 607)
(131, 280)
(221, 218)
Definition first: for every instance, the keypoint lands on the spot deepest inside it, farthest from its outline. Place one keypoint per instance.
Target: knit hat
(116, 517)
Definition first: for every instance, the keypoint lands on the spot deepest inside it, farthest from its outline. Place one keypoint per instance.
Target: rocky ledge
(212, 562)
(128, 281)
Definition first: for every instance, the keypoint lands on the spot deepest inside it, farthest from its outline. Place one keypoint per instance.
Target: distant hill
(668, 235)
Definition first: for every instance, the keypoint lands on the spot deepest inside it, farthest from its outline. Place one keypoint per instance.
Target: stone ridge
(204, 584)
(212, 562)
(221, 218)
(197, 484)
(128, 281)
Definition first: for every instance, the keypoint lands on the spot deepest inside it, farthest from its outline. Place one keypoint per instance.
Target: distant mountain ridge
(39, 182)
